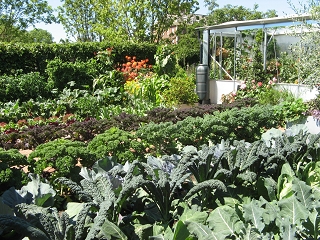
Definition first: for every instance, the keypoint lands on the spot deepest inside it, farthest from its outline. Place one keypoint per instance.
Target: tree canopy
(133, 20)
(19, 15)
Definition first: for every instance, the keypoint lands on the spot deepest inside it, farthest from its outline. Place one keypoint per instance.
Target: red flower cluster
(132, 67)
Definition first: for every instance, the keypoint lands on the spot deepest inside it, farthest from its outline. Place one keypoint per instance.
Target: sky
(281, 6)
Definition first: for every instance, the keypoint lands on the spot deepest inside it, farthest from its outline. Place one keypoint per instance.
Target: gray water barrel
(202, 81)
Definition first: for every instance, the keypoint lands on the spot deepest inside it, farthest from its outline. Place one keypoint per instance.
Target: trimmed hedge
(34, 57)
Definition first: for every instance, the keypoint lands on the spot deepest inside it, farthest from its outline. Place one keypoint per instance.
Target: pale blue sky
(281, 6)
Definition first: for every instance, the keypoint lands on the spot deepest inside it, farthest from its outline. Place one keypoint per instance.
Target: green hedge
(34, 57)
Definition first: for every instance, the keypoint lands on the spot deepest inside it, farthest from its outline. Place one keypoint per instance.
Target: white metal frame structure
(234, 28)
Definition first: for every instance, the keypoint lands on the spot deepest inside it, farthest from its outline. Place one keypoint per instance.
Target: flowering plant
(248, 89)
(133, 67)
(314, 108)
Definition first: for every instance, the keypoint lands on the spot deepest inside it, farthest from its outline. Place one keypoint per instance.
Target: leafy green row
(268, 189)
(39, 132)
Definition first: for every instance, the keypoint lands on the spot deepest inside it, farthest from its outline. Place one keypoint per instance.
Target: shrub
(115, 142)
(181, 90)
(62, 156)
(11, 174)
(81, 73)
(23, 87)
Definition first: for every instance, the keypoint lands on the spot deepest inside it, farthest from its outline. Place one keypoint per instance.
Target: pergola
(234, 29)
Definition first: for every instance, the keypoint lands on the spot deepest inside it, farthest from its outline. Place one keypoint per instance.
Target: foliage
(21, 15)
(81, 73)
(291, 110)
(264, 189)
(306, 67)
(239, 13)
(181, 90)
(165, 61)
(235, 124)
(148, 89)
(41, 131)
(37, 36)
(187, 48)
(35, 192)
(289, 68)
(137, 22)
(11, 173)
(23, 87)
(263, 93)
(119, 143)
(314, 107)
(34, 57)
(78, 18)
(60, 158)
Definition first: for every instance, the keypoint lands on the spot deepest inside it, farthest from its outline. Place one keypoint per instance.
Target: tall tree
(78, 18)
(211, 4)
(19, 15)
(237, 13)
(135, 20)
(38, 36)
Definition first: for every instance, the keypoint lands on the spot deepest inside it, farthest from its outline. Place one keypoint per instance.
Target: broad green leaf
(287, 230)
(111, 230)
(5, 209)
(249, 233)
(225, 221)
(180, 232)
(253, 213)
(271, 212)
(191, 215)
(143, 230)
(201, 231)
(44, 200)
(312, 174)
(157, 229)
(303, 193)
(73, 208)
(268, 188)
(161, 234)
(292, 209)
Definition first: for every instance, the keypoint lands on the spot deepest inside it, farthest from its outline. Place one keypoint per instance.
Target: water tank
(202, 81)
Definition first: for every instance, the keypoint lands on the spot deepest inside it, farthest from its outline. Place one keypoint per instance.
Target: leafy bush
(236, 124)
(11, 173)
(119, 143)
(291, 110)
(23, 87)
(60, 158)
(81, 73)
(181, 90)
